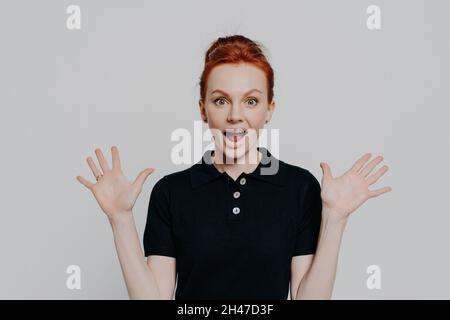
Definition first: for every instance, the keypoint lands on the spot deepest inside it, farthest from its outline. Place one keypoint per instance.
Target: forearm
(318, 282)
(139, 278)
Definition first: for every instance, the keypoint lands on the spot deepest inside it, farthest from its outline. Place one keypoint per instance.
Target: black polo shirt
(234, 239)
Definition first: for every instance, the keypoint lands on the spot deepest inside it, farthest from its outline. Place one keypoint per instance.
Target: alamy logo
(181, 152)
(73, 21)
(374, 19)
(74, 280)
(374, 280)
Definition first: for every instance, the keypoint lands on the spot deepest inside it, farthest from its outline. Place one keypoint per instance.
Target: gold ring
(97, 177)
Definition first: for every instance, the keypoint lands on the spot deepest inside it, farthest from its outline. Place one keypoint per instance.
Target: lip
(237, 143)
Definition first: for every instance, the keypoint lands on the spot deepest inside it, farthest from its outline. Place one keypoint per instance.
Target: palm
(346, 193)
(113, 192)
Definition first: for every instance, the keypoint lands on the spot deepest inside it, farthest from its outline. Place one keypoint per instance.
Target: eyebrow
(224, 93)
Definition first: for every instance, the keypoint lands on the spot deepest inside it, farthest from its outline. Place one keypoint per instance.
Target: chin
(237, 155)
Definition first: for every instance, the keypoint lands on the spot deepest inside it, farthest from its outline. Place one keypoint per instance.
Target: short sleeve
(158, 234)
(309, 219)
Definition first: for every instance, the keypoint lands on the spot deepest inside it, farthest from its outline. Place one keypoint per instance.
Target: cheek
(256, 119)
(215, 114)
(256, 114)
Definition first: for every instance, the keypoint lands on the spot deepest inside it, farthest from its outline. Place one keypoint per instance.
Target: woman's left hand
(343, 195)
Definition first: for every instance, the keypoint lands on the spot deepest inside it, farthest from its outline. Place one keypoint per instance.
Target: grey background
(129, 77)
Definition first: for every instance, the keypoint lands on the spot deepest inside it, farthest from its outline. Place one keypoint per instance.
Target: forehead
(236, 78)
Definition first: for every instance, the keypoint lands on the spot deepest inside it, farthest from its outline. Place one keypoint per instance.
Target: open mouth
(234, 135)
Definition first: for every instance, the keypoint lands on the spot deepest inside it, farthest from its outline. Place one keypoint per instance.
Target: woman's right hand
(115, 195)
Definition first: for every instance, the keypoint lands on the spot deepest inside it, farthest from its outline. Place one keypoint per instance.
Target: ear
(271, 110)
(201, 105)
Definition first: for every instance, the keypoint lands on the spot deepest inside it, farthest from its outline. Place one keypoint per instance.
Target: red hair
(236, 49)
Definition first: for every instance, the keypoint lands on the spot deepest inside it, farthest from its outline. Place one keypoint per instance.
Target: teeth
(233, 133)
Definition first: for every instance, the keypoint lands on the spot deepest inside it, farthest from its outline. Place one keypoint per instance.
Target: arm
(116, 197)
(139, 278)
(340, 197)
(318, 281)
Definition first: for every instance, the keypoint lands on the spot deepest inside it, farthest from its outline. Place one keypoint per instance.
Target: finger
(115, 158)
(326, 170)
(376, 193)
(374, 177)
(360, 162)
(85, 182)
(93, 167)
(140, 179)
(102, 160)
(372, 164)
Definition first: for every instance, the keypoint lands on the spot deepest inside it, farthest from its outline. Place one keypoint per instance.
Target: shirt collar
(269, 169)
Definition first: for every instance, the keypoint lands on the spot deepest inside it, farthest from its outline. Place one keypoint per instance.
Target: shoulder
(304, 184)
(178, 180)
(308, 193)
(299, 176)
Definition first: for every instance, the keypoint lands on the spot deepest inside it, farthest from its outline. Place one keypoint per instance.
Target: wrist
(334, 216)
(121, 218)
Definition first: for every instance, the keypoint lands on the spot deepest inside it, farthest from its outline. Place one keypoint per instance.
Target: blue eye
(215, 101)
(254, 99)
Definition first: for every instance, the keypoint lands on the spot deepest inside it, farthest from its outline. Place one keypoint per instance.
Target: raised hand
(113, 192)
(343, 195)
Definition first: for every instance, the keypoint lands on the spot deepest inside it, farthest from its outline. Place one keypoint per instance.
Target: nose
(235, 114)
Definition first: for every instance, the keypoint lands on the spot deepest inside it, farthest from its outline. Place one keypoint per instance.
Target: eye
(219, 99)
(253, 99)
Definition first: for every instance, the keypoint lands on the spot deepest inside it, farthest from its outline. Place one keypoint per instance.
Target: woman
(238, 224)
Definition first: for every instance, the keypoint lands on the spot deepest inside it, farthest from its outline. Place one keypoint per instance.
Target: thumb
(140, 179)
(326, 170)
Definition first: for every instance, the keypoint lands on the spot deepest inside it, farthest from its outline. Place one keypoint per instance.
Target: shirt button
(236, 194)
(236, 210)
(242, 181)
